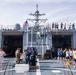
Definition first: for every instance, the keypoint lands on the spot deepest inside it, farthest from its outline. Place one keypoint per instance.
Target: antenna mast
(37, 15)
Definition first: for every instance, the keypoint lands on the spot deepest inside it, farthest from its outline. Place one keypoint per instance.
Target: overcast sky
(16, 11)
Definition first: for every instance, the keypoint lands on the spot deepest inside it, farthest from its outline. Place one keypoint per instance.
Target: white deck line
(38, 72)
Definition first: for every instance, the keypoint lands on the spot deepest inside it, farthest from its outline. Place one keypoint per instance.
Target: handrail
(7, 70)
(6, 67)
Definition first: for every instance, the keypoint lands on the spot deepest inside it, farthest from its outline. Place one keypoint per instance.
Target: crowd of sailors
(63, 26)
(30, 54)
(27, 57)
(64, 54)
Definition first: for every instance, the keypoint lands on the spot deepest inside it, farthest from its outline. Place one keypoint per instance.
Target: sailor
(18, 54)
(26, 53)
(2, 54)
(33, 57)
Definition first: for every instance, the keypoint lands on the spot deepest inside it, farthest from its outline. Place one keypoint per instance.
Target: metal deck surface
(47, 67)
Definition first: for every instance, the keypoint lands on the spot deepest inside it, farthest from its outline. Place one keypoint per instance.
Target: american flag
(25, 23)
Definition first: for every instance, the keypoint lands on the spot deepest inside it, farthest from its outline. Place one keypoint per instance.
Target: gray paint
(74, 39)
(0, 39)
(34, 44)
(24, 40)
(50, 39)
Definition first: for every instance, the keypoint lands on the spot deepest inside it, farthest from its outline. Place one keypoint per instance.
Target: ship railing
(12, 27)
(8, 68)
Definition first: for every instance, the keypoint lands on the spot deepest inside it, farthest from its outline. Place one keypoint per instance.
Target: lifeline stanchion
(69, 63)
(70, 70)
(64, 67)
(6, 67)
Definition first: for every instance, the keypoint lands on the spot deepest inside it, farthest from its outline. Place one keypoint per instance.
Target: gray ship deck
(47, 67)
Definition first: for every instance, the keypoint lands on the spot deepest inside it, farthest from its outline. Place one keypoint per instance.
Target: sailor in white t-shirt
(74, 56)
(71, 53)
(67, 55)
(2, 54)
